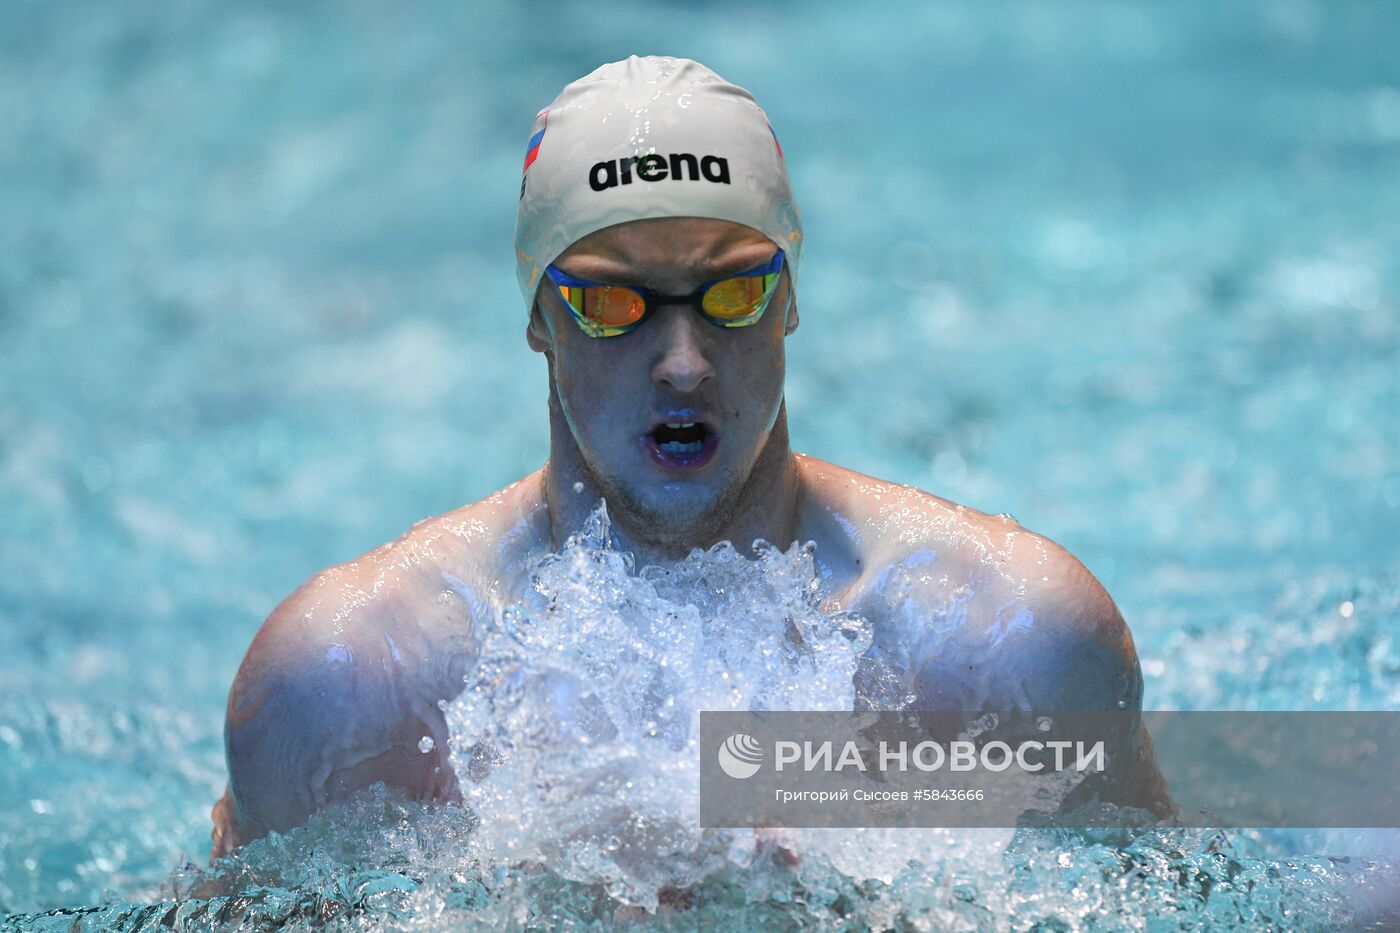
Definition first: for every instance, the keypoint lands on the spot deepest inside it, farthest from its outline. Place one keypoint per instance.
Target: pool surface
(1128, 271)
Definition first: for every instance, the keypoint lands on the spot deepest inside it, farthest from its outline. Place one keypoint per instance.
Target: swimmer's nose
(682, 366)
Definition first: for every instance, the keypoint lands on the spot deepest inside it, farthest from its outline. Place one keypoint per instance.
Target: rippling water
(1128, 272)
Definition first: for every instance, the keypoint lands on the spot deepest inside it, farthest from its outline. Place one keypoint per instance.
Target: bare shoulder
(988, 611)
(341, 684)
(387, 609)
(983, 614)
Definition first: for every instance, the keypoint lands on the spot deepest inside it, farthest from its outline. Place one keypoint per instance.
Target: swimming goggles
(603, 310)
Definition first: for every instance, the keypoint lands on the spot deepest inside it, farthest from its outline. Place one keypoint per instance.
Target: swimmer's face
(618, 395)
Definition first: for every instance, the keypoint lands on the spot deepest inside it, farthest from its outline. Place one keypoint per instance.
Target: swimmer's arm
(327, 704)
(1088, 662)
(1062, 646)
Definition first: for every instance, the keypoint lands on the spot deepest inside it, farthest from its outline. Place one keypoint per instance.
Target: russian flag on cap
(532, 149)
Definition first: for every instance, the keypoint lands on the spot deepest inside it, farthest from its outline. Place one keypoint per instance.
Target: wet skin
(343, 679)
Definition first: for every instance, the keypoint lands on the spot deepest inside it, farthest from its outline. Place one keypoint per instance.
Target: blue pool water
(1127, 271)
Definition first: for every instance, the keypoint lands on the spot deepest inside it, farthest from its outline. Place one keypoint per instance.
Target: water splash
(576, 738)
(380, 863)
(575, 744)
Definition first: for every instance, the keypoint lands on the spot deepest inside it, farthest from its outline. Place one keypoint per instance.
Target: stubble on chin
(677, 526)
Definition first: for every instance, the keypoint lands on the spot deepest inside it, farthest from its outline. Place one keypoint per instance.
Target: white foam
(576, 738)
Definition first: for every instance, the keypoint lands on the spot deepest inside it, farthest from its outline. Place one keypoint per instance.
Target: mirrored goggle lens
(738, 300)
(604, 308)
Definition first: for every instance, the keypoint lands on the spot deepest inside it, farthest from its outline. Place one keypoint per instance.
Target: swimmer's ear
(537, 332)
(790, 324)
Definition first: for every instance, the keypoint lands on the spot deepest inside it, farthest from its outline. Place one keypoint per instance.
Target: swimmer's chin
(673, 519)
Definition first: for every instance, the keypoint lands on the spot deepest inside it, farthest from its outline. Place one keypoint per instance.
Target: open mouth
(681, 445)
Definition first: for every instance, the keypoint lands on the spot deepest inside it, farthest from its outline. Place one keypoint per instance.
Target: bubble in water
(984, 723)
(426, 744)
(578, 486)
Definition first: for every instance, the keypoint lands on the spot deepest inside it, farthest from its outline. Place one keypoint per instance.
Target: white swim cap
(649, 137)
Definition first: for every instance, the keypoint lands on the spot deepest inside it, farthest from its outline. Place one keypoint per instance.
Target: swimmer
(658, 247)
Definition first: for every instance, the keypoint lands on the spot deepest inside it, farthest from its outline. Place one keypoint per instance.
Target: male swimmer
(658, 247)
